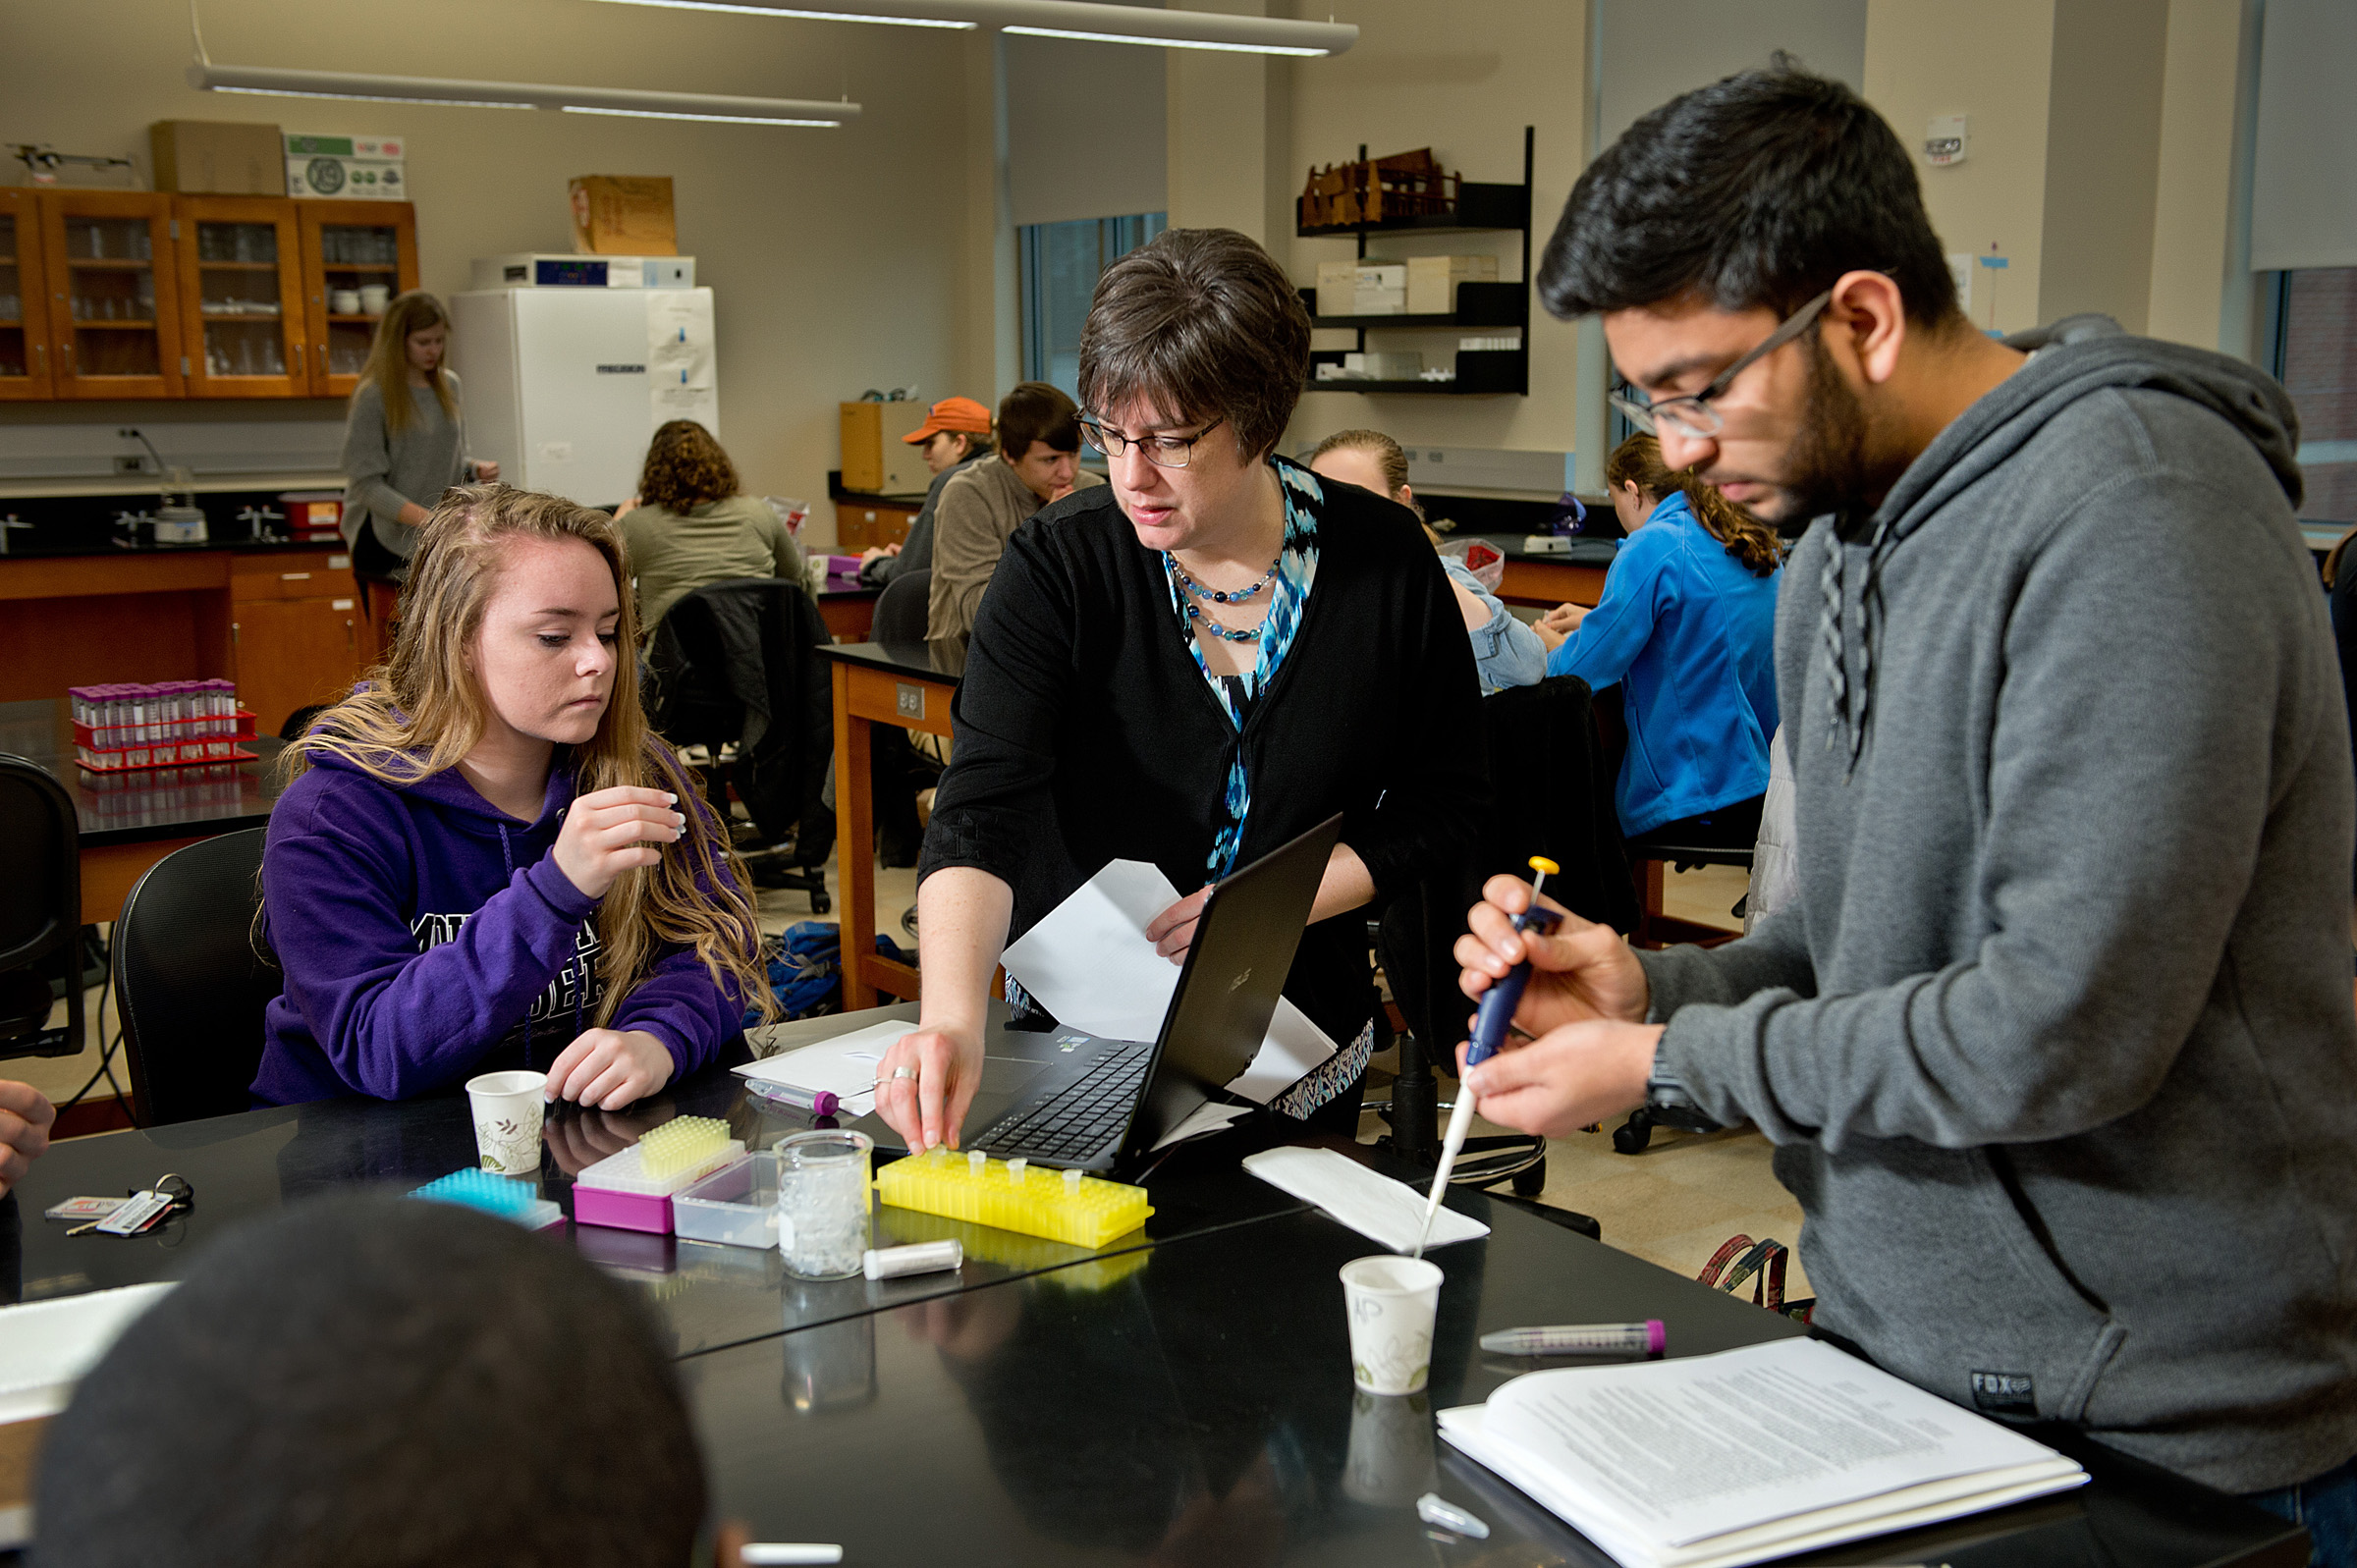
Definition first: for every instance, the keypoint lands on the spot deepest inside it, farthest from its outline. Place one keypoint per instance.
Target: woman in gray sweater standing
(404, 443)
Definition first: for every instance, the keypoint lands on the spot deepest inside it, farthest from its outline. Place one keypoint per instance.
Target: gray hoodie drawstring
(1849, 718)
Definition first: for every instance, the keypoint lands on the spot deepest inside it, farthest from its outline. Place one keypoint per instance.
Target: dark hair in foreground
(1757, 191)
(1036, 413)
(1638, 460)
(378, 1382)
(1204, 324)
(685, 467)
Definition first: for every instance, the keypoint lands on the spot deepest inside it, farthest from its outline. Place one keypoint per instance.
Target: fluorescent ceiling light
(272, 82)
(806, 16)
(1164, 44)
(1089, 20)
(719, 118)
(373, 98)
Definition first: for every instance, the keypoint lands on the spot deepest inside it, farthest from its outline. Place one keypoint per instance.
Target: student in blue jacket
(484, 858)
(1687, 627)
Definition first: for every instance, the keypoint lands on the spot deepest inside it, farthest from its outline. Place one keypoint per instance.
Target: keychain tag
(140, 1212)
(83, 1209)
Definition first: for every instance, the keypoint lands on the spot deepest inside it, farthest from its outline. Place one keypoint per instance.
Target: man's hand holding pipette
(1584, 1006)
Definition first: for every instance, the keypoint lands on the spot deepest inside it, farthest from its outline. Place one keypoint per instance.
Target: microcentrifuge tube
(1433, 1509)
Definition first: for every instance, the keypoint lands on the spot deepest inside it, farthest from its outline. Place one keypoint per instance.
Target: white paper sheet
(1748, 1454)
(45, 1347)
(1207, 1117)
(679, 373)
(1383, 1210)
(845, 1065)
(1091, 964)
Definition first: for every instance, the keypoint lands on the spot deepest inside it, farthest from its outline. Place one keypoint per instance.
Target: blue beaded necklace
(1197, 621)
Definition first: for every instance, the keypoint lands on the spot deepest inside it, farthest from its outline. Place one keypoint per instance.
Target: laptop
(1104, 1103)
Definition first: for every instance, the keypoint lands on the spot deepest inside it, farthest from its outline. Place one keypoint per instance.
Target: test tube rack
(1014, 1195)
(1058, 1264)
(633, 1190)
(504, 1196)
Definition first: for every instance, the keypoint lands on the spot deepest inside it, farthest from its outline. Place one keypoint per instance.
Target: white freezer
(563, 387)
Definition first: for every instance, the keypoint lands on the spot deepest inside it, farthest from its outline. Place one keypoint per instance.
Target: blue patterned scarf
(1289, 594)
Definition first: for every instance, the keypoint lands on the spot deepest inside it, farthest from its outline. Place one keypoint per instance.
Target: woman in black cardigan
(1190, 666)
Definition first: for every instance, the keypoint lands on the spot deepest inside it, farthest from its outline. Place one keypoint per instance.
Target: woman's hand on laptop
(1172, 931)
(926, 1083)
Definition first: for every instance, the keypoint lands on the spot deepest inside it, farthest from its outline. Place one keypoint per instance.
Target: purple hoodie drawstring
(506, 860)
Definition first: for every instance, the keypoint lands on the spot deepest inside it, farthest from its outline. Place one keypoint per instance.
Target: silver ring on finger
(904, 1072)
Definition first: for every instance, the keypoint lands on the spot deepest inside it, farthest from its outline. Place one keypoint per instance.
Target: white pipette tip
(1460, 1120)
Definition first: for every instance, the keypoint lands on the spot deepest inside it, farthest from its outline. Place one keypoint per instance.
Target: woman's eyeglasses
(1164, 452)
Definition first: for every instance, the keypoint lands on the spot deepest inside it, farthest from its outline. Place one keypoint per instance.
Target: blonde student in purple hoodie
(484, 858)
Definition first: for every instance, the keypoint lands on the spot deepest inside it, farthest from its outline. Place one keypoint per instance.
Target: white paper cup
(1390, 1302)
(508, 1107)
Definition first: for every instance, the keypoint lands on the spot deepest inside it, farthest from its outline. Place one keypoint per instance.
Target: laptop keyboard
(1081, 1120)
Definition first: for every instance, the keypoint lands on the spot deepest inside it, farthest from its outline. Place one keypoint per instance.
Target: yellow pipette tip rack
(1014, 1195)
(680, 1143)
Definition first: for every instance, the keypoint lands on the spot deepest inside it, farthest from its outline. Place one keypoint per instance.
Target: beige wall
(2103, 158)
(1924, 60)
(1463, 79)
(836, 255)
(2102, 137)
(2192, 213)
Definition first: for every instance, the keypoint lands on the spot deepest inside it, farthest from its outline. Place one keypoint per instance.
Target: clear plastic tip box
(633, 1190)
(1014, 1195)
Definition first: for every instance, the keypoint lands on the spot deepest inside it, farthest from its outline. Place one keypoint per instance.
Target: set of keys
(133, 1215)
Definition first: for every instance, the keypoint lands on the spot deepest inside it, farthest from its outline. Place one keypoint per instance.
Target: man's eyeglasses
(1164, 452)
(1692, 416)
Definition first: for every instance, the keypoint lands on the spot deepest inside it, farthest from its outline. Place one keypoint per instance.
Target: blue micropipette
(1489, 1023)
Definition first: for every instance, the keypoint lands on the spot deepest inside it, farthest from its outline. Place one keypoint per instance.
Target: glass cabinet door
(24, 344)
(111, 329)
(356, 256)
(240, 280)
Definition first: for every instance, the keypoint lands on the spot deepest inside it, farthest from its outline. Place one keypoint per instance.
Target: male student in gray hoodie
(2054, 1040)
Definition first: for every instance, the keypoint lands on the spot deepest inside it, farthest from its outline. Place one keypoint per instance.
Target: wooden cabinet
(113, 310)
(237, 264)
(116, 293)
(351, 247)
(870, 525)
(24, 299)
(295, 633)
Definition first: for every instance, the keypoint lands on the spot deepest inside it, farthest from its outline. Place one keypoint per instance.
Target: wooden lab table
(847, 607)
(1543, 581)
(907, 685)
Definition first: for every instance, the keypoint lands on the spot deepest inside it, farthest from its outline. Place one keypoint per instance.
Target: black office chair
(1551, 795)
(192, 980)
(40, 912)
(737, 663)
(901, 608)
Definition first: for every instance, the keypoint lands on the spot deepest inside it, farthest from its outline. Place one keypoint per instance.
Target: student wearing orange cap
(956, 433)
